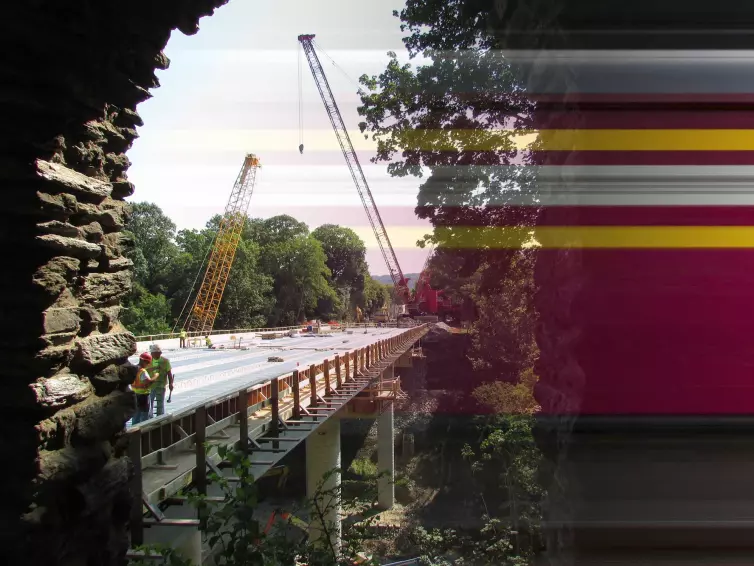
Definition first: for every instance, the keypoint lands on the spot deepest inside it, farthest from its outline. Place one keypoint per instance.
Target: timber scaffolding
(169, 454)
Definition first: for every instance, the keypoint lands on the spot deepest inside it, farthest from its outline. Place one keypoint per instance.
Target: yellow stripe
(647, 140)
(262, 141)
(689, 237)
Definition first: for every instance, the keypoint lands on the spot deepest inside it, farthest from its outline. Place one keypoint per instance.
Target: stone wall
(75, 71)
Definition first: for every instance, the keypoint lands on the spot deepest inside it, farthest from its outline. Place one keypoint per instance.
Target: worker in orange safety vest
(142, 386)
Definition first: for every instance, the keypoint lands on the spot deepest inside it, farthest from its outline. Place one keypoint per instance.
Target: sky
(232, 89)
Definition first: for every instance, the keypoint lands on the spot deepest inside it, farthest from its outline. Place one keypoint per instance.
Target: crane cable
(334, 64)
(300, 104)
(193, 285)
(300, 89)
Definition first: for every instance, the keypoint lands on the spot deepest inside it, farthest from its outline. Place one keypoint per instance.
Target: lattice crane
(207, 302)
(402, 291)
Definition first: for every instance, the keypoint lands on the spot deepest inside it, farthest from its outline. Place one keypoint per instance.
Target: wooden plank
(326, 372)
(296, 394)
(338, 379)
(313, 385)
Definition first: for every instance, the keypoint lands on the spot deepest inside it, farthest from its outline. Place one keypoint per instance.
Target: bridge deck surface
(201, 373)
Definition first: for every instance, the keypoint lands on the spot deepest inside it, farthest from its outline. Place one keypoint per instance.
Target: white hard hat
(155, 348)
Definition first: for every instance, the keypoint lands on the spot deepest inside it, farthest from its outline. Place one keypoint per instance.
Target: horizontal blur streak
(646, 140)
(641, 157)
(671, 101)
(567, 237)
(490, 140)
(665, 331)
(644, 119)
(266, 140)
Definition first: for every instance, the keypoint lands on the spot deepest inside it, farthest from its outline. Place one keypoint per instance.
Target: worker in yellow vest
(162, 373)
(183, 338)
(141, 386)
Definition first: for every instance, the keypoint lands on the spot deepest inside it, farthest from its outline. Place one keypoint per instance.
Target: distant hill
(387, 280)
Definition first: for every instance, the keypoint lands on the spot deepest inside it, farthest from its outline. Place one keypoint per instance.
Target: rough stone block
(119, 264)
(117, 243)
(106, 494)
(111, 316)
(122, 189)
(61, 390)
(65, 464)
(128, 117)
(54, 276)
(58, 320)
(69, 246)
(116, 163)
(107, 135)
(106, 348)
(91, 319)
(92, 232)
(114, 377)
(104, 289)
(59, 207)
(59, 228)
(55, 433)
(115, 214)
(71, 181)
(99, 418)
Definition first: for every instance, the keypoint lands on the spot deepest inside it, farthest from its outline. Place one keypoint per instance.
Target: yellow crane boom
(207, 302)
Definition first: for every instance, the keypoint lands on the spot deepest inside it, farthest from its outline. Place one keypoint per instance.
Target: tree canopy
(282, 274)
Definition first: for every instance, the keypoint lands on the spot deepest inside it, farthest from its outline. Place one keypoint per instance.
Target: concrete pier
(386, 458)
(322, 456)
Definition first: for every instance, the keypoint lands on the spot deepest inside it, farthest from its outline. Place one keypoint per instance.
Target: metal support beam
(137, 516)
(200, 430)
(243, 420)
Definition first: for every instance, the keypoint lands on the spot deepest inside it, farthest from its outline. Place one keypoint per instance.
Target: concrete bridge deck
(201, 373)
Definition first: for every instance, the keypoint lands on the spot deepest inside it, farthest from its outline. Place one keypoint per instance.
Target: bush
(364, 467)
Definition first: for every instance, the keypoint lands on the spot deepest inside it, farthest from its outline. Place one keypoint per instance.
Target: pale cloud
(233, 89)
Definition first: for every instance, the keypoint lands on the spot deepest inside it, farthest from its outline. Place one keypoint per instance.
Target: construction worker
(141, 386)
(162, 373)
(208, 342)
(183, 338)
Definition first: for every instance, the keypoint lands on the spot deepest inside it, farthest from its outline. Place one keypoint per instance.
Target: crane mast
(207, 302)
(352, 160)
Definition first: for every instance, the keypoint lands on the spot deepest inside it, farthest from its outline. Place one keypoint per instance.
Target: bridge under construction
(239, 398)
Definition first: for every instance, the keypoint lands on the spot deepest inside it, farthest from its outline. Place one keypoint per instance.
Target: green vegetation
(282, 273)
(236, 536)
(414, 113)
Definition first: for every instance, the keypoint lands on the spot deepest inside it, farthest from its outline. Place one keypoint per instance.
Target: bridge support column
(386, 458)
(189, 546)
(322, 456)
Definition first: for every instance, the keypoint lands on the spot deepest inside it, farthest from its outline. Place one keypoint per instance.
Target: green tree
(146, 313)
(345, 253)
(248, 299)
(155, 248)
(296, 262)
(373, 296)
(248, 296)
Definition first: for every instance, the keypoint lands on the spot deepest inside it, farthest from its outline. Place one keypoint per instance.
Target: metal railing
(161, 445)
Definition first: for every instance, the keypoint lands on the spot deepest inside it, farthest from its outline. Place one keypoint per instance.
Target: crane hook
(301, 148)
